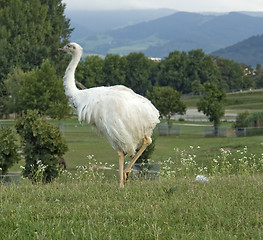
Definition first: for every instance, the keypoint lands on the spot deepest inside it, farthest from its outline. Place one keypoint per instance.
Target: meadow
(89, 207)
(86, 203)
(236, 101)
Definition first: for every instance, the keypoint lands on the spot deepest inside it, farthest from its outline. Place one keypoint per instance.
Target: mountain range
(89, 23)
(249, 51)
(158, 32)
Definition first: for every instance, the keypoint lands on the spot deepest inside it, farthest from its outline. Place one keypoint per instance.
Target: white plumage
(123, 117)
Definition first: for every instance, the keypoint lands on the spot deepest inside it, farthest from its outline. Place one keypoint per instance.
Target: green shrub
(254, 119)
(8, 149)
(240, 120)
(42, 145)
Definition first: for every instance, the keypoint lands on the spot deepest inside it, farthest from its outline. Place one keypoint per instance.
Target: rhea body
(123, 117)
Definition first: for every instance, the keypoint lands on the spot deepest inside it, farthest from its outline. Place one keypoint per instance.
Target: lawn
(236, 102)
(86, 203)
(84, 206)
(84, 142)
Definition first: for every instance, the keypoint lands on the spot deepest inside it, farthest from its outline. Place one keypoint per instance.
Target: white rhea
(123, 117)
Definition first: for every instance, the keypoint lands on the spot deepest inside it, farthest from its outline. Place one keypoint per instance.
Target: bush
(167, 101)
(240, 120)
(8, 149)
(42, 145)
(254, 119)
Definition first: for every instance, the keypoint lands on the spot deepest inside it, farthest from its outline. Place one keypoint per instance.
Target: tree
(202, 67)
(167, 101)
(233, 76)
(58, 34)
(41, 89)
(114, 70)
(42, 145)
(12, 100)
(180, 69)
(135, 71)
(254, 119)
(8, 149)
(259, 76)
(173, 71)
(211, 104)
(240, 120)
(197, 87)
(30, 31)
(3, 98)
(154, 69)
(89, 71)
(138, 72)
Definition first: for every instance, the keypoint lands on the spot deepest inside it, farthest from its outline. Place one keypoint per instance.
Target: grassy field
(84, 206)
(84, 142)
(85, 203)
(236, 102)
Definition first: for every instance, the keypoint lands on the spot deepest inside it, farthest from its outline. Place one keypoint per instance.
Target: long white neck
(69, 78)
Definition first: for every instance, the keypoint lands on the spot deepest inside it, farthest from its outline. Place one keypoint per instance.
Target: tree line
(31, 68)
(185, 72)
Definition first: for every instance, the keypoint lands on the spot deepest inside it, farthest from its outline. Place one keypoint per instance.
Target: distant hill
(249, 51)
(158, 36)
(87, 23)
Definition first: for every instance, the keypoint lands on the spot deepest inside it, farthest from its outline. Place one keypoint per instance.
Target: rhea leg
(121, 164)
(146, 142)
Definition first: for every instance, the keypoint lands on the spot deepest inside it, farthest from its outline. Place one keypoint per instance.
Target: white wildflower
(201, 178)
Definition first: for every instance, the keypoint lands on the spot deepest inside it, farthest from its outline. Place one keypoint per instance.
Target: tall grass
(85, 205)
(227, 162)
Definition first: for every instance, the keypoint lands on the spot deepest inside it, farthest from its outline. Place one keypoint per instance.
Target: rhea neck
(69, 78)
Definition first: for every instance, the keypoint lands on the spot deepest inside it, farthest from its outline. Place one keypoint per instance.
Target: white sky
(180, 5)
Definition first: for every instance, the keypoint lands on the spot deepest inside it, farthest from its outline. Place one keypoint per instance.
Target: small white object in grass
(201, 178)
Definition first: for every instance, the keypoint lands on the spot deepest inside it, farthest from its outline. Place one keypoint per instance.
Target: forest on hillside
(249, 51)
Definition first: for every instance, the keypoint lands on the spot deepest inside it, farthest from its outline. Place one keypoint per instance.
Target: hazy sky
(180, 5)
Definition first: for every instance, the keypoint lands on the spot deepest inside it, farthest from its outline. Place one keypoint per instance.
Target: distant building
(155, 59)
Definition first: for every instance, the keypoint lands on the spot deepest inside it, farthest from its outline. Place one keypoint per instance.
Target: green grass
(83, 141)
(86, 142)
(84, 205)
(125, 48)
(87, 204)
(93, 208)
(252, 100)
(136, 46)
(236, 102)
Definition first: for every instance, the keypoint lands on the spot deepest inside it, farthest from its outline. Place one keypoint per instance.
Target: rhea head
(71, 47)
